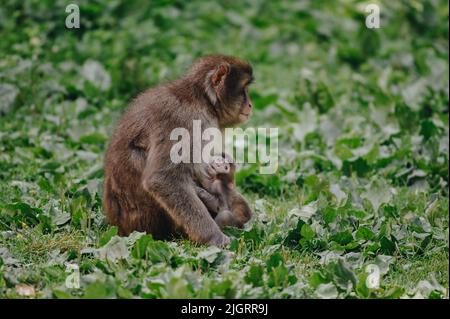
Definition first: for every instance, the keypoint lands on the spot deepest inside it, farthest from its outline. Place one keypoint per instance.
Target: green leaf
(327, 291)
(428, 129)
(160, 251)
(357, 213)
(358, 166)
(343, 238)
(30, 213)
(364, 233)
(361, 288)
(387, 245)
(106, 236)
(140, 246)
(99, 290)
(124, 293)
(317, 278)
(61, 294)
(115, 249)
(305, 212)
(383, 262)
(377, 193)
(210, 254)
(254, 275)
(343, 276)
(307, 232)
(274, 260)
(329, 215)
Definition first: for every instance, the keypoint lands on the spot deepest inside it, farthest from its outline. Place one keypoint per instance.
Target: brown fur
(143, 189)
(217, 191)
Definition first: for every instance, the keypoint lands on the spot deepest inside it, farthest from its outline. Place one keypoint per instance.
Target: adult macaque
(217, 191)
(144, 190)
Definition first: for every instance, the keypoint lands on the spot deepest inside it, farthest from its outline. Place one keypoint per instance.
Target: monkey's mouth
(243, 117)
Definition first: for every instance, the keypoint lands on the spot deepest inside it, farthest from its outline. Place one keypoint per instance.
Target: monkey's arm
(172, 187)
(211, 202)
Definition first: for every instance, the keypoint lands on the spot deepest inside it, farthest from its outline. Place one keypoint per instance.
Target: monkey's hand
(183, 205)
(211, 202)
(205, 176)
(221, 240)
(211, 171)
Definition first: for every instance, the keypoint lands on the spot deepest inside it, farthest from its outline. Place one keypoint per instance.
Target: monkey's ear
(214, 78)
(220, 74)
(231, 185)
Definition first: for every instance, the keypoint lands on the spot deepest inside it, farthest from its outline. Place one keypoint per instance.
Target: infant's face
(220, 165)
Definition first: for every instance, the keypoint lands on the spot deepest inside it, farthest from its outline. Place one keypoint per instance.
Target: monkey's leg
(181, 202)
(241, 210)
(225, 218)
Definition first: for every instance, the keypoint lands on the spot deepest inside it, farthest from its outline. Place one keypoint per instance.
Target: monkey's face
(246, 106)
(221, 165)
(232, 101)
(238, 106)
(222, 168)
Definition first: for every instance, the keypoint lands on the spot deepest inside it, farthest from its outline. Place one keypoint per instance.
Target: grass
(34, 247)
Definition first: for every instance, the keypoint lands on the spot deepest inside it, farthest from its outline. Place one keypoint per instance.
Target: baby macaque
(217, 191)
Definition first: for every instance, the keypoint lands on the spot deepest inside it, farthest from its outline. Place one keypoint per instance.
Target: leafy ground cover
(363, 148)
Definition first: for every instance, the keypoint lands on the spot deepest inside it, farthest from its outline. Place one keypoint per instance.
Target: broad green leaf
(307, 232)
(377, 193)
(111, 232)
(327, 291)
